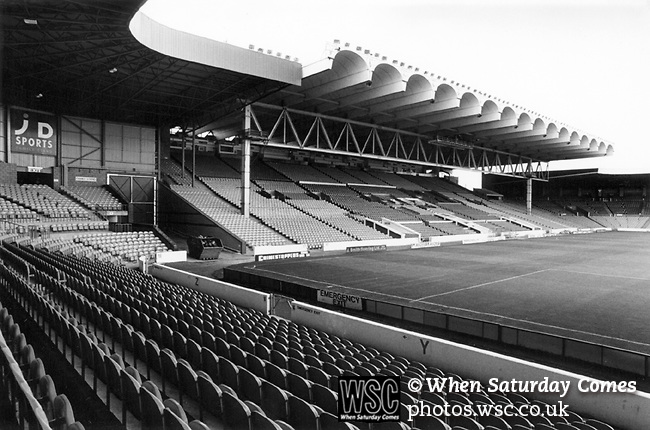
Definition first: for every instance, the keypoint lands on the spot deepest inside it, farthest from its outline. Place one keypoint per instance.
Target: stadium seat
(299, 386)
(152, 406)
(131, 384)
(236, 414)
(275, 401)
(302, 414)
(228, 373)
(187, 381)
(46, 394)
(63, 416)
(250, 386)
(210, 395)
(262, 422)
(325, 398)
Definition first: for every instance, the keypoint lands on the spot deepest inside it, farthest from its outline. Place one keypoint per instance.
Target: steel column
(246, 165)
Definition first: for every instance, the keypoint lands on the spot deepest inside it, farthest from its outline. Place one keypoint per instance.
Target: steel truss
(307, 131)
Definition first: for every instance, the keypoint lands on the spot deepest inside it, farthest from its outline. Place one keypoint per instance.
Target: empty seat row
(25, 388)
(231, 344)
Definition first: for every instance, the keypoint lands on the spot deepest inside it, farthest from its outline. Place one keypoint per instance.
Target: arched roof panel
(445, 92)
(468, 100)
(489, 107)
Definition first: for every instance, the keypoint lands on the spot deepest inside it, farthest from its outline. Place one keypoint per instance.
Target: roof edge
(201, 50)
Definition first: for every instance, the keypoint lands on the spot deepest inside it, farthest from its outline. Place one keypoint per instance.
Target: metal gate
(140, 194)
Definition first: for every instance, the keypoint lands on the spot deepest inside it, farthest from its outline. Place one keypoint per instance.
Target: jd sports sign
(33, 132)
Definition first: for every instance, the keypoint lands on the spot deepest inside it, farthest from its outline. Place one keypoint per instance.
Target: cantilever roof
(105, 59)
(355, 84)
(81, 58)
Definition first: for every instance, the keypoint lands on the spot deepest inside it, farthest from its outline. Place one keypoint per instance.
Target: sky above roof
(583, 63)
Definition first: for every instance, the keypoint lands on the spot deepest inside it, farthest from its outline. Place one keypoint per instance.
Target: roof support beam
(371, 141)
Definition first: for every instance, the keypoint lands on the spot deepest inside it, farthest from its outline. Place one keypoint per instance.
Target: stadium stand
(338, 175)
(363, 176)
(251, 230)
(212, 166)
(397, 180)
(43, 200)
(94, 198)
(403, 198)
(185, 354)
(300, 172)
(259, 169)
(29, 398)
(165, 356)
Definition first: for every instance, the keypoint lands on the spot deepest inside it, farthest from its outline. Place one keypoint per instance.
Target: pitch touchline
(469, 310)
(598, 274)
(543, 325)
(478, 286)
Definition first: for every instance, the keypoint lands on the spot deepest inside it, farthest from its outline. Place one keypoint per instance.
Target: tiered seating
(499, 226)
(382, 192)
(250, 230)
(451, 228)
(282, 217)
(616, 222)
(242, 368)
(635, 221)
(338, 175)
(337, 218)
(174, 172)
(517, 209)
(95, 198)
(550, 206)
(300, 172)
(288, 189)
(426, 231)
(44, 200)
(363, 176)
(28, 390)
(593, 207)
(351, 201)
(206, 165)
(435, 184)
(228, 189)
(624, 206)
(467, 212)
(396, 180)
(13, 211)
(296, 225)
(128, 246)
(322, 210)
(259, 169)
(65, 309)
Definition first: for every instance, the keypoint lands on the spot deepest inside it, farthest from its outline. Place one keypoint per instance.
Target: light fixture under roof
(30, 21)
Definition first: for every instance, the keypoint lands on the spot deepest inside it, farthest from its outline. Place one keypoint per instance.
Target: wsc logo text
(369, 398)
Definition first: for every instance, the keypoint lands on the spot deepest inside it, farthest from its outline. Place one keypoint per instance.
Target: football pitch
(592, 287)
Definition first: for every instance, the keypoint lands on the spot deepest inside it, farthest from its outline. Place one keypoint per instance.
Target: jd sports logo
(369, 398)
(33, 132)
(45, 130)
